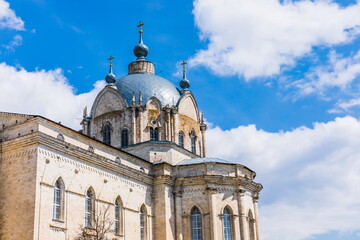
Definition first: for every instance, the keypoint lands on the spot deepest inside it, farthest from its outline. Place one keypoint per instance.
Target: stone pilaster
(141, 126)
(178, 213)
(175, 126)
(164, 219)
(168, 124)
(256, 212)
(242, 215)
(203, 146)
(133, 122)
(213, 211)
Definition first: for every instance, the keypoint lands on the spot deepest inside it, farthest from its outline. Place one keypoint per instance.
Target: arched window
(251, 226)
(107, 134)
(193, 142)
(181, 139)
(196, 225)
(58, 203)
(143, 229)
(89, 207)
(124, 137)
(118, 217)
(154, 134)
(227, 228)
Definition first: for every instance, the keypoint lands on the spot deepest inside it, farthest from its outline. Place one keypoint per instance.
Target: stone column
(213, 229)
(203, 146)
(164, 219)
(141, 128)
(133, 121)
(242, 215)
(256, 213)
(178, 213)
(168, 125)
(175, 126)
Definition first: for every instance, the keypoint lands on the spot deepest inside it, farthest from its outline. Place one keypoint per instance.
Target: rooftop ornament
(110, 78)
(141, 50)
(184, 83)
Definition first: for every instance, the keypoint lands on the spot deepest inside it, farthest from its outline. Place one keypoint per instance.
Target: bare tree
(101, 226)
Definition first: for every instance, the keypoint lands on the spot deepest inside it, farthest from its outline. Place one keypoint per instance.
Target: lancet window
(196, 224)
(107, 134)
(124, 137)
(89, 208)
(58, 203)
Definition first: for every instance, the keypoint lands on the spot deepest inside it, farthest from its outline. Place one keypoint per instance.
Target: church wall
(78, 177)
(17, 188)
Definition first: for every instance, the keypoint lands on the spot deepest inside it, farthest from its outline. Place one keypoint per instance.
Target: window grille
(57, 208)
(89, 208)
(181, 139)
(193, 142)
(154, 134)
(227, 225)
(107, 134)
(142, 223)
(124, 138)
(196, 225)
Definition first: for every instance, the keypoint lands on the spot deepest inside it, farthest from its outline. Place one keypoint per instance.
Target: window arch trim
(143, 222)
(106, 131)
(227, 223)
(196, 223)
(251, 225)
(89, 207)
(119, 217)
(58, 199)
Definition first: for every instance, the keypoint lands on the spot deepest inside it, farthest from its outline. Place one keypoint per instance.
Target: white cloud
(254, 38)
(45, 93)
(8, 18)
(310, 175)
(14, 43)
(345, 105)
(339, 73)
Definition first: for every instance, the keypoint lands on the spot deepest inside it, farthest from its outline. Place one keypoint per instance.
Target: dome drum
(141, 67)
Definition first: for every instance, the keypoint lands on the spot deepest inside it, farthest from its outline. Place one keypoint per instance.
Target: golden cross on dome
(110, 59)
(140, 26)
(183, 64)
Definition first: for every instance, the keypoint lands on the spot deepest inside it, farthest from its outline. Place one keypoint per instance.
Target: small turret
(110, 78)
(184, 83)
(141, 65)
(141, 50)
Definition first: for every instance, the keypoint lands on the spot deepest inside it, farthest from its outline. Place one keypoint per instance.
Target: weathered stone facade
(140, 154)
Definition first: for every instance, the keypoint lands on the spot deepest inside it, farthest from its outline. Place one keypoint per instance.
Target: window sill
(58, 220)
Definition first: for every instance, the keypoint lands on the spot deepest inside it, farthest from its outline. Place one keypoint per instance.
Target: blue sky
(278, 83)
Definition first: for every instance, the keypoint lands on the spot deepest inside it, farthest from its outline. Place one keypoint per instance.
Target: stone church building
(138, 169)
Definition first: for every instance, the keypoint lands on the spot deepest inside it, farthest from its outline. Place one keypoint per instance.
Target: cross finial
(183, 64)
(140, 26)
(110, 59)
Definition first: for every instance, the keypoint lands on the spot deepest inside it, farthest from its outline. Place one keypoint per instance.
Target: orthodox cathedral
(136, 170)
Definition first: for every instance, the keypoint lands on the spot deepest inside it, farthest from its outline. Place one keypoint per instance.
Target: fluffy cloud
(45, 93)
(310, 175)
(8, 18)
(254, 38)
